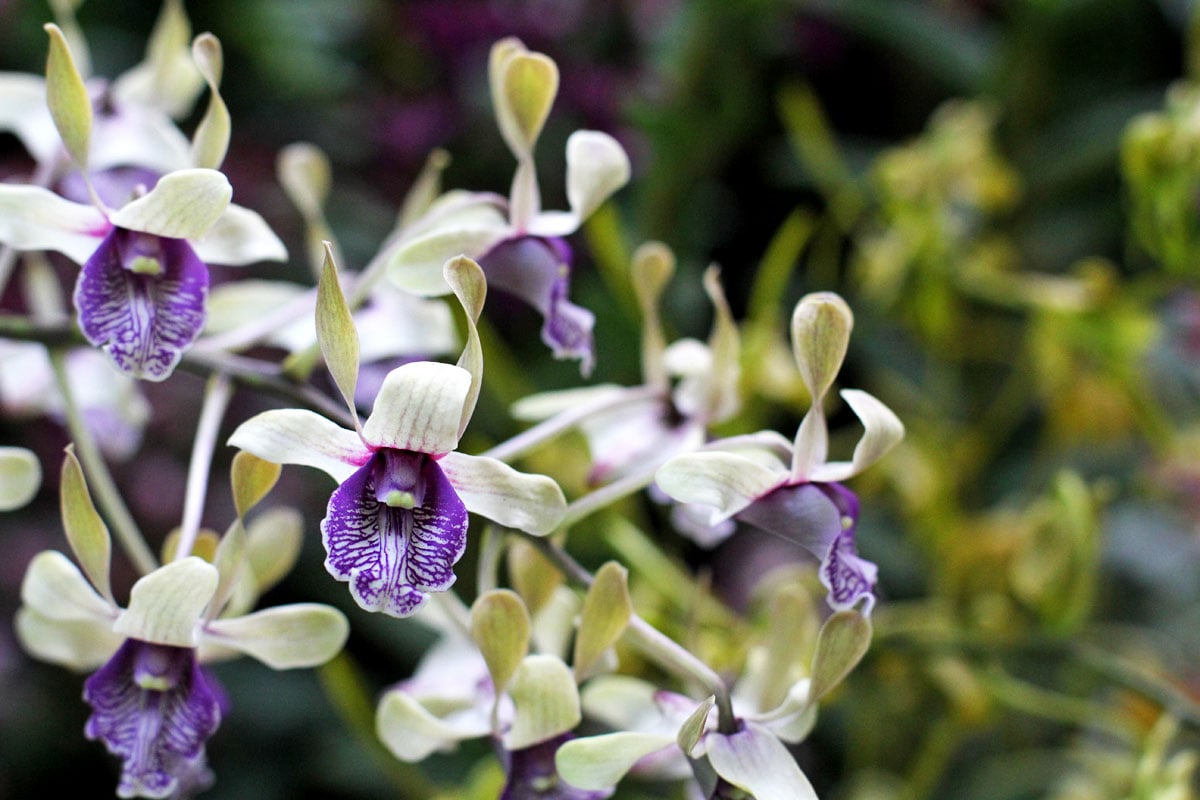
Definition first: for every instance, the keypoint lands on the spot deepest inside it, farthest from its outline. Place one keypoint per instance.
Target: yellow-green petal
(165, 606)
(86, 532)
(67, 96)
(20, 477)
(607, 608)
(547, 702)
(500, 626)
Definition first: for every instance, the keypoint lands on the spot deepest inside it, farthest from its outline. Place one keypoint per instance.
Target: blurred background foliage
(1007, 194)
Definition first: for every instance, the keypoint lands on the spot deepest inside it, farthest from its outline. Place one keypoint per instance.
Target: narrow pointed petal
(144, 320)
(55, 588)
(75, 644)
(756, 762)
(600, 762)
(154, 707)
(466, 278)
(882, 430)
(20, 477)
(299, 436)
(393, 556)
(419, 408)
(165, 606)
(285, 637)
(537, 271)
(183, 205)
(33, 218)
(491, 488)
(239, 236)
(728, 482)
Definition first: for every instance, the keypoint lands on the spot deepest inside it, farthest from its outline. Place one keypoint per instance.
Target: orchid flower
(520, 247)
(141, 293)
(488, 684)
(153, 705)
(687, 386)
(397, 522)
(750, 479)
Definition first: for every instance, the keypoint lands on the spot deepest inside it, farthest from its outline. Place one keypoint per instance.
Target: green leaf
(607, 608)
(67, 96)
(86, 531)
(211, 138)
(842, 643)
(336, 333)
(500, 626)
(251, 478)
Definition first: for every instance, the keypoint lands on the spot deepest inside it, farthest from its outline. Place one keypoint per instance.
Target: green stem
(608, 494)
(217, 394)
(100, 480)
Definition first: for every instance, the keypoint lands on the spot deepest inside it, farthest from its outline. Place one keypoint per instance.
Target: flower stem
(217, 393)
(610, 493)
(99, 478)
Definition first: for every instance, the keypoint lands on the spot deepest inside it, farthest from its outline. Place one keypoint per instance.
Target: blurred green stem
(217, 393)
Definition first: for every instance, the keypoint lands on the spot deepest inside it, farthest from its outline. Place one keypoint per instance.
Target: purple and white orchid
(397, 523)
(521, 247)
(750, 478)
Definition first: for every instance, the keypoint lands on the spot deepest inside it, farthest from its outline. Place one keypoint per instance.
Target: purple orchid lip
(821, 518)
(140, 298)
(537, 270)
(394, 531)
(154, 706)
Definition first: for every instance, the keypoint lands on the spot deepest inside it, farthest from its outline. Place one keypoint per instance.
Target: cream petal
(547, 702)
(81, 645)
(33, 218)
(411, 732)
(165, 606)
(55, 588)
(284, 637)
(415, 264)
(419, 408)
(23, 112)
(20, 477)
(491, 488)
(600, 762)
(239, 236)
(756, 762)
(183, 205)
(726, 481)
(298, 436)
(597, 166)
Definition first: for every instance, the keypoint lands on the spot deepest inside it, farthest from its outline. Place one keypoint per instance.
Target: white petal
(183, 205)
(23, 112)
(882, 430)
(419, 408)
(239, 236)
(138, 137)
(33, 218)
(165, 606)
(285, 637)
(599, 762)
(56, 589)
(299, 436)
(726, 481)
(20, 477)
(596, 168)
(411, 732)
(415, 265)
(80, 645)
(547, 702)
(491, 488)
(756, 762)
(399, 324)
(543, 405)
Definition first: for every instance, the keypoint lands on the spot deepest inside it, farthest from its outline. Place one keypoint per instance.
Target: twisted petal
(141, 299)
(537, 270)
(393, 555)
(882, 430)
(154, 707)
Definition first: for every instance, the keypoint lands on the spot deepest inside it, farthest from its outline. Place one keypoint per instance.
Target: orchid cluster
(547, 667)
